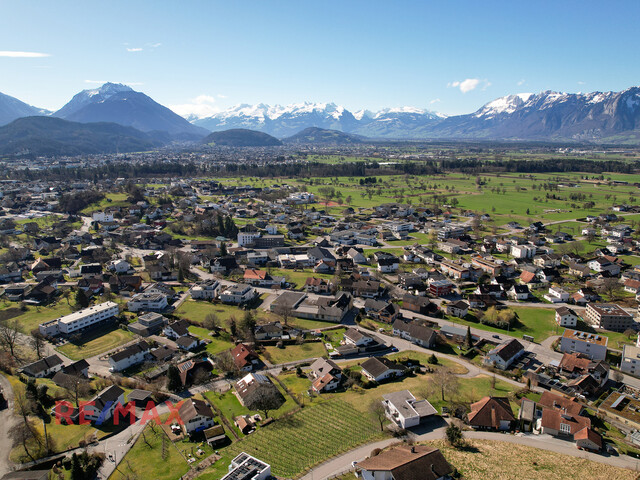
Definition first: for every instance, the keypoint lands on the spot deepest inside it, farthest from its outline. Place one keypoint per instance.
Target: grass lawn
(298, 278)
(96, 342)
(34, 316)
(491, 460)
(306, 324)
(197, 310)
(218, 344)
(295, 443)
(291, 353)
(537, 322)
(147, 460)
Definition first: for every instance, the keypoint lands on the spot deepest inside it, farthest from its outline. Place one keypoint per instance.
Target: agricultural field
(491, 460)
(35, 315)
(337, 427)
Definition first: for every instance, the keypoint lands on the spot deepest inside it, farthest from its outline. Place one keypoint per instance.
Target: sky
(205, 56)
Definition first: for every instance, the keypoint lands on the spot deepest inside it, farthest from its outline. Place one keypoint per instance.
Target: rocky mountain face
(121, 104)
(12, 108)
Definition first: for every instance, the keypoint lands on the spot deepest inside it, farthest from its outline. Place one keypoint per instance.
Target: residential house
(196, 415)
(245, 358)
(44, 367)
(129, 356)
(458, 309)
(378, 369)
(491, 413)
(504, 354)
(415, 333)
(405, 410)
(238, 294)
(406, 463)
(566, 317)
(244, 465)
(148, 302)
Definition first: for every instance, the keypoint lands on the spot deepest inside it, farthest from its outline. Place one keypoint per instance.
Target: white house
(204, 291)
(566, 317)
(556, 295)
(150, 302)
(238, 294)
(132, 355)
(104, 404)
(244, 463)
(523, 251)
(102, 217)
(119, 266)
(43, 367)
(378, 369)
(404, 410)
(196, 415)
(505, 354)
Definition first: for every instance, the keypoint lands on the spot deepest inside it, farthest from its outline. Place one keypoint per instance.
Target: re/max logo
(87, 413)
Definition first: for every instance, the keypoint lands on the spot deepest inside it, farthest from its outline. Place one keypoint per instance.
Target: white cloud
(521, 82)
(465, 85)
(97, 82)
(154, 45)
(134, 49)
(436, 100)
(221, 96)
(201, 106)
(581, 82)
(14, 54)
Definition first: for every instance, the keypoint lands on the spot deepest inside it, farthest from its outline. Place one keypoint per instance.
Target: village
(270, 309)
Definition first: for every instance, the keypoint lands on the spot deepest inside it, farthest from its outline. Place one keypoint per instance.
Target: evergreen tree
(81, 299)
(173, 375)
(468, 342)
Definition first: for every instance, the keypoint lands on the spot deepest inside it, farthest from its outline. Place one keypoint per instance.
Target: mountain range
(609, 117)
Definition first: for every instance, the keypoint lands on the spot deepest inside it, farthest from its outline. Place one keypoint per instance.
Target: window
(564, 428)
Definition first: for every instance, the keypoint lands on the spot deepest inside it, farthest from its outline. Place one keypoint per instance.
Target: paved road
(8, 420)
(342, 463)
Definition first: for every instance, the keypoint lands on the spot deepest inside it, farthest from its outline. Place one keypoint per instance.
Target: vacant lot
(292, 353)
(95, 342)
(295, 443)
(537, 322)
(146, 459)
(491, 460)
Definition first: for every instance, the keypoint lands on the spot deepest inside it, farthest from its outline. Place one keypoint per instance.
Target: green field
(34, 316)
(146, 460)
(285, 444)
(95, 342)
(537, 322)
(197, 310)
(217, 344)
(292, 353)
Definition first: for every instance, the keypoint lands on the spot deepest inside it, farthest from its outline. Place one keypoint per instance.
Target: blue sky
(448, 56)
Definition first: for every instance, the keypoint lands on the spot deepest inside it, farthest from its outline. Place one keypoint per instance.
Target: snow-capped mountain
(596, 116)
(11, 108)
(121, 104)
(283, 121)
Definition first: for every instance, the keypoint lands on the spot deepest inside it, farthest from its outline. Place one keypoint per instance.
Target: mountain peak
(109, 89)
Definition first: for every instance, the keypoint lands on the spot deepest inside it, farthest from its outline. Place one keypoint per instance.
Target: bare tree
(377, 411)
(210, 321)
(37, 342)
(445, 382)
(284, 311)
(9, 335)
(225, 362)
(611, 287)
